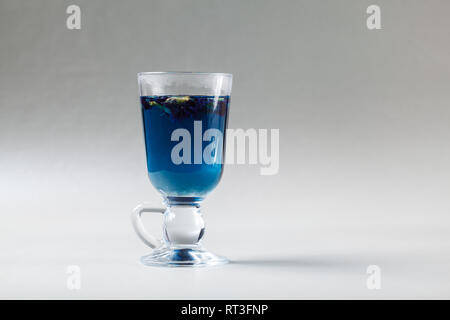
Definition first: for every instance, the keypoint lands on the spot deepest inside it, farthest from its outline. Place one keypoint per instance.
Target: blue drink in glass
(184, 118)
(190, 180)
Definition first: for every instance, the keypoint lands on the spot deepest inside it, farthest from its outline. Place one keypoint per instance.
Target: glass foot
(195, 256)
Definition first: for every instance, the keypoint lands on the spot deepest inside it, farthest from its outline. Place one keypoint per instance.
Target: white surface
(271, 260)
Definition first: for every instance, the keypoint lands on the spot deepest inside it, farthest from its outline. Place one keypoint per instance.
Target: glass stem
(183, 225)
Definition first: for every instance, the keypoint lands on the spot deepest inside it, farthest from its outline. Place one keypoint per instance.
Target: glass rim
(151, 73)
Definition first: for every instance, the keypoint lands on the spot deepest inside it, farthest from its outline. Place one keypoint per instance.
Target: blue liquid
(161, 116)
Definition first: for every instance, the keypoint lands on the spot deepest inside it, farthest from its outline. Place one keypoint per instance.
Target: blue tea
(177, 127)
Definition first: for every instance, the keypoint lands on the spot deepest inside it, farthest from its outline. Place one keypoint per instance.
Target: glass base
(192, 256)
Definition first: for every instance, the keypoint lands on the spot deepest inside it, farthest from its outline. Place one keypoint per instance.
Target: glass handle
(138, 226)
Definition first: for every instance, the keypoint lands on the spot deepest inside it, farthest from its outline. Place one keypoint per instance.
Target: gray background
(364, 147)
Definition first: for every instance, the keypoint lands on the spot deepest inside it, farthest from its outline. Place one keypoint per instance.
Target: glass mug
(184, 117)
